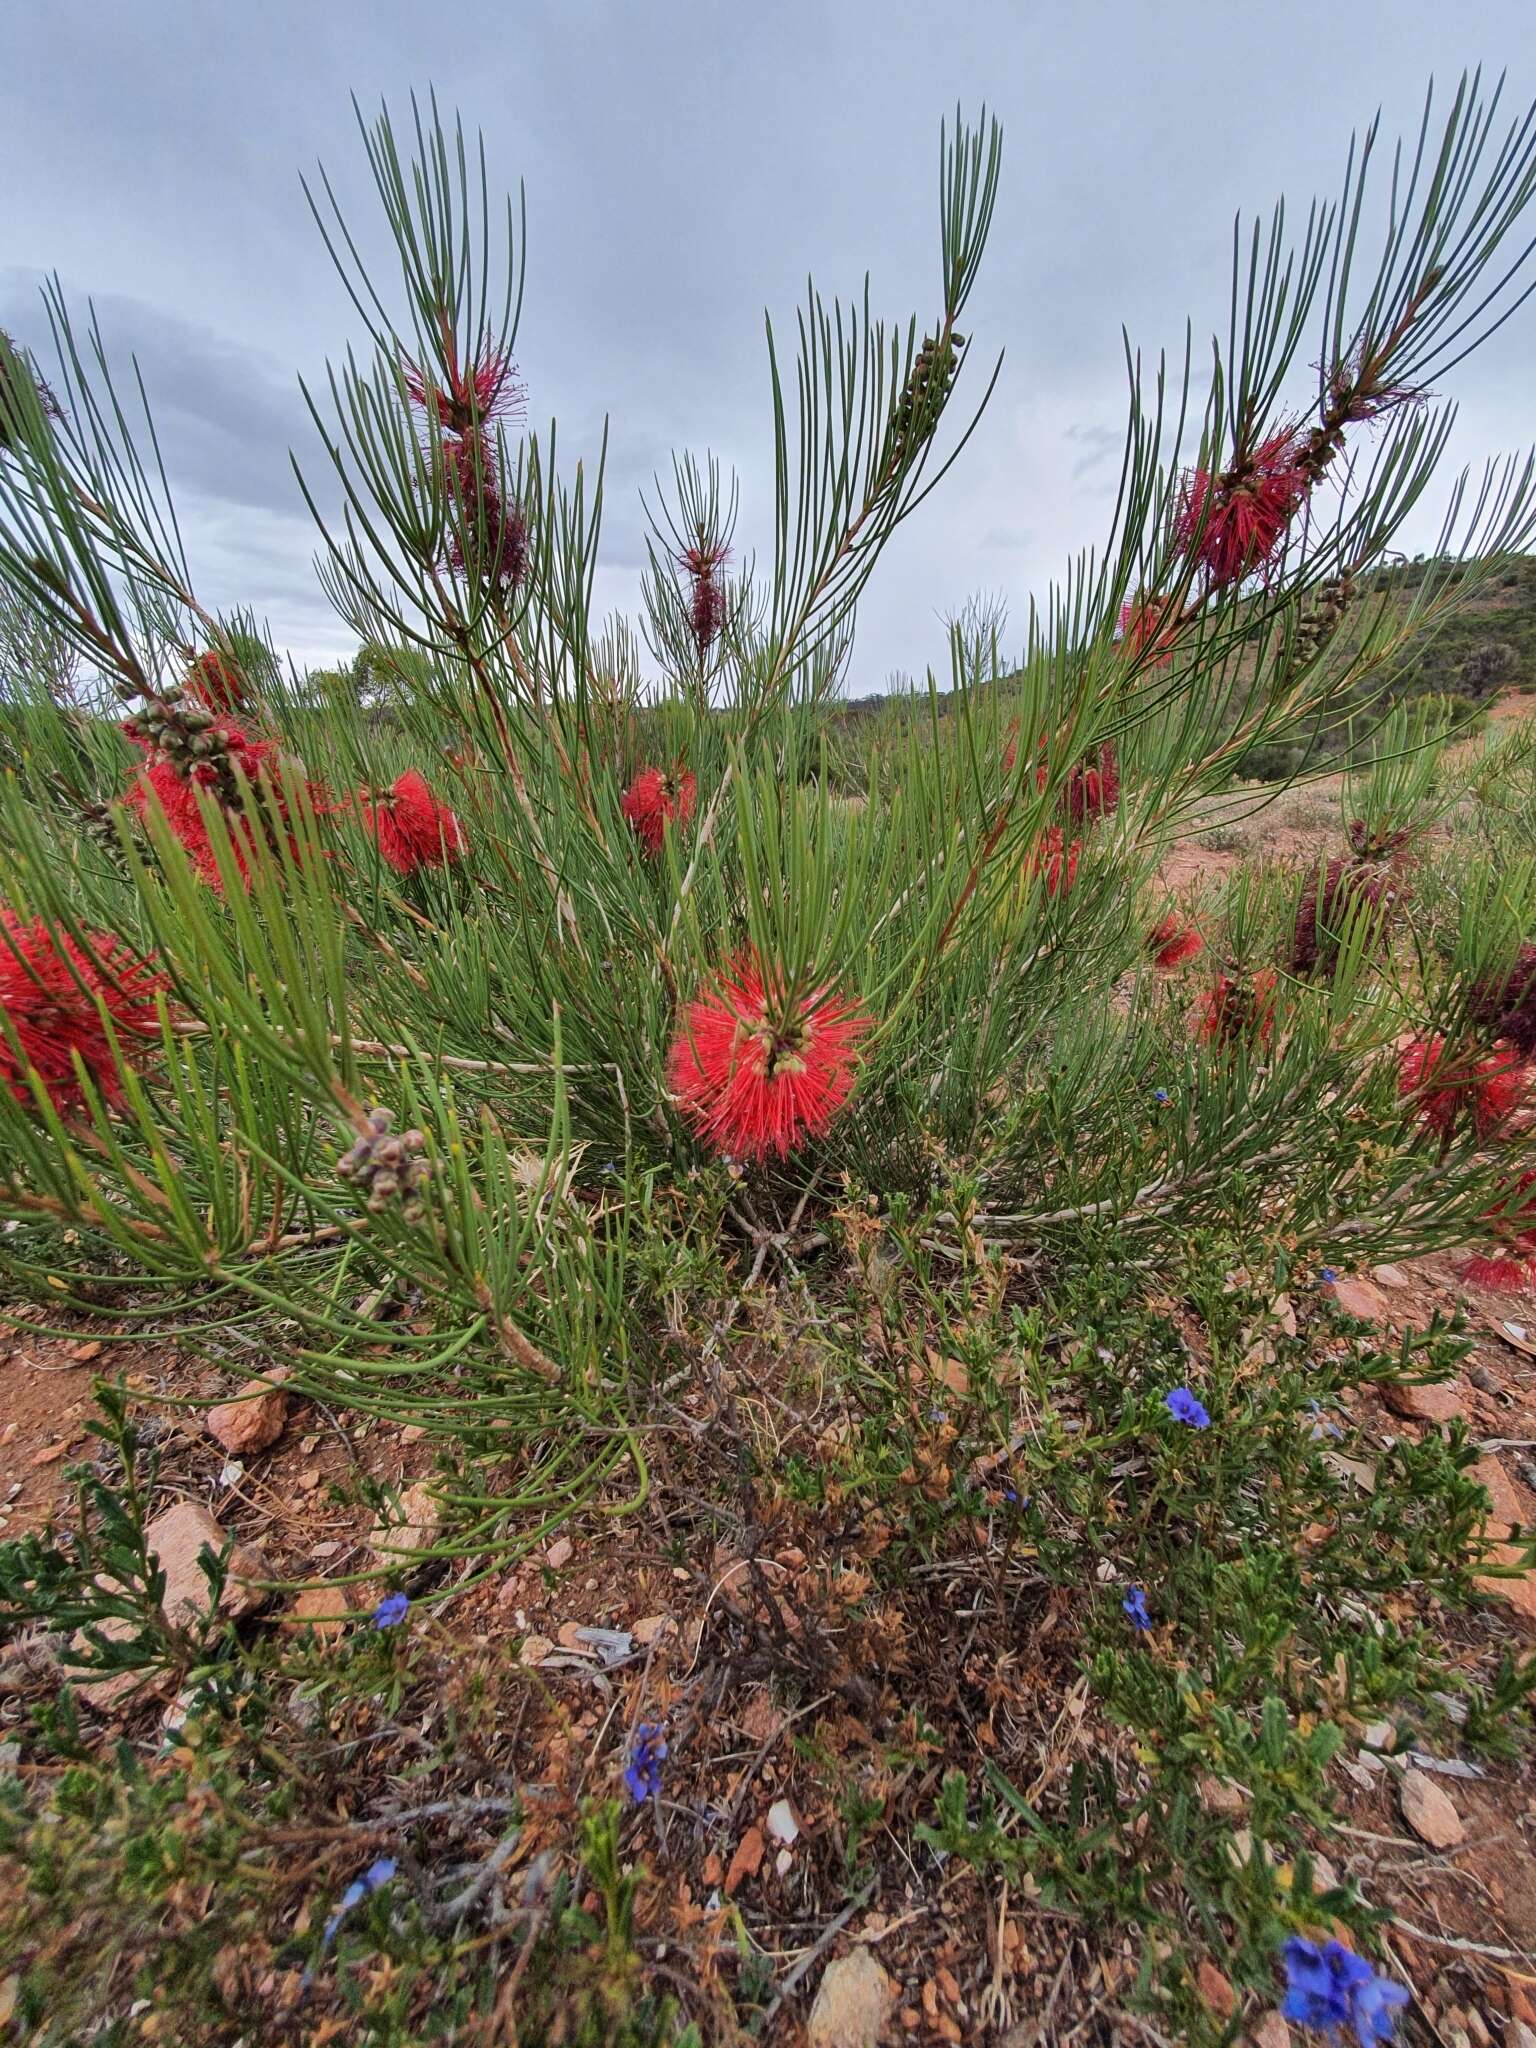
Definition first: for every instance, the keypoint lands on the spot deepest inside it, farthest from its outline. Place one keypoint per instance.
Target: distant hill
(1469, 658)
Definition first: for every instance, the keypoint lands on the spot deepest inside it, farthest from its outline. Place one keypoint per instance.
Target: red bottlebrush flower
(49, 988)
(1506, 1004)
(1442, 1081)
(161, 785)
(412, 828)
(216, 682)
(758, 1071)
(1149, 625)
(656, 799)
(1237, 1010)
(1331, 900)
(473, 397)
(1171, 943)
(1056, 859)
(706, 605)
(1237, 520)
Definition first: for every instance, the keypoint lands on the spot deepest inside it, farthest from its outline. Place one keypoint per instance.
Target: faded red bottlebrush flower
(706, 604)
(1500, 1272)
(49, 987)
(160, 785)
(19, 366)
(656, 799)
(1237, 520)
(216, 682)
(1506, 1004)
(494, 544)
(758, 1072)
(1509, 1266)
(1171, 943)
(1345, 890)
(1442, 1081)
(1055, 858)
(472, 397)
(1149, 625)
(412, 828)
(1238, 1009)
(1093, 788)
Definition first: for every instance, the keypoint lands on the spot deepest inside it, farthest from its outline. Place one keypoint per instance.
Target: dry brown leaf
(748, 1859)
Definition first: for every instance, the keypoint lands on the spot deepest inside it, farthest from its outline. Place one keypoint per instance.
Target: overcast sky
(687, 163)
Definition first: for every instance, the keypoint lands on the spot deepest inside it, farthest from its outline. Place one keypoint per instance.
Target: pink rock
(414, 1528)
(322, 1608)
(1362, 1298)
(177, 1539)
(1428, 1811)
(1440, 1403)
(1511, 1504)
(254, 1419)
(852, 2002)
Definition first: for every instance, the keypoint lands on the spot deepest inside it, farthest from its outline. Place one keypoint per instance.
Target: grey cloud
(1099, 445)
(225, 412)
(687, 165)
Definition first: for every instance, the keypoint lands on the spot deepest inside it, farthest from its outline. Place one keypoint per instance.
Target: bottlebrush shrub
(869, 953)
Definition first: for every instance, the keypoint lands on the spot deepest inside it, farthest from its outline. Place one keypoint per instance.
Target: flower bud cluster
(177, 729)
(923, 395)
(385, 1167)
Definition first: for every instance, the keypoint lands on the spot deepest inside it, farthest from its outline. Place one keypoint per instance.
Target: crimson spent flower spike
(706, 604)
(1239, 1009)
(217, 682)
(1235, 522)
(474, 396)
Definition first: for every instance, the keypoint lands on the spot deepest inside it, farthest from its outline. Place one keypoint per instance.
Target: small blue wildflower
(1183, 1407)
(1331, 1987)
(1161, 1097)
(377, 1874)
(1321, 1425)
(1329, 1276)
(647, 1754)
(1135, 1605)
(938, 1415)
(1011, 1495)
(391, 1610)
